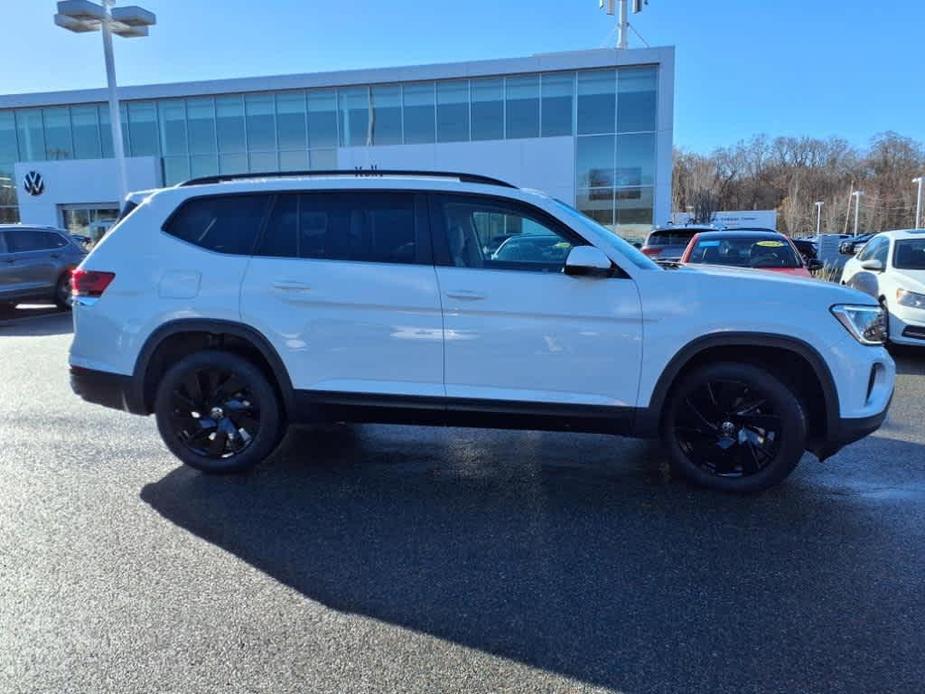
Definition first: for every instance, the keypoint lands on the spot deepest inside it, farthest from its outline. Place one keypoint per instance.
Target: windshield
(633, 254)
(909, 254)
(745, 252)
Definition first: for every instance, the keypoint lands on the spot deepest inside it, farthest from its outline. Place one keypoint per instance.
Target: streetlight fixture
(81, 16)
(918, 202)
(819, 205)
(857, 208)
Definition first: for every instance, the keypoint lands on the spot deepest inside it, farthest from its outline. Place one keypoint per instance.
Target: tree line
(790, 174)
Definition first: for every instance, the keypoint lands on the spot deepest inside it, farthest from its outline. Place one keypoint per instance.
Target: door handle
(465, 295)
(291, 286)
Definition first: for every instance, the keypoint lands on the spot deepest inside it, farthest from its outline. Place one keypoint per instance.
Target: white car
(891, 269)
(232, 306)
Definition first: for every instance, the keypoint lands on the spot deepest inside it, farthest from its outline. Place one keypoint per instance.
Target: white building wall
(91, 182)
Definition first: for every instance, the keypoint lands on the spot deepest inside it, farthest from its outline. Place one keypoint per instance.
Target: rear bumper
(108, 389)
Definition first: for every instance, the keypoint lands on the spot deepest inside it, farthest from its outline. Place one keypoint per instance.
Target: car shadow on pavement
(575, 554)
(39, 323)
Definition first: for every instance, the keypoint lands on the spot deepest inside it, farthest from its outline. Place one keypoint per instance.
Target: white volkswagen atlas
(232, 306)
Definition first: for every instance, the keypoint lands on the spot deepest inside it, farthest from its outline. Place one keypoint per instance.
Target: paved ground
(381, 558)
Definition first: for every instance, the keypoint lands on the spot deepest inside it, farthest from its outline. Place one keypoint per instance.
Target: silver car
(36, 264)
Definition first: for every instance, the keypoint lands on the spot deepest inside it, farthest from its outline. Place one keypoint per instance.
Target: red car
(763, 250)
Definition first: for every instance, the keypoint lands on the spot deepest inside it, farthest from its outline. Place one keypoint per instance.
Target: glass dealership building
(593, 128)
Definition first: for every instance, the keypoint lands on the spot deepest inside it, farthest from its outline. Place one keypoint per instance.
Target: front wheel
(217, 412)
(734, 427)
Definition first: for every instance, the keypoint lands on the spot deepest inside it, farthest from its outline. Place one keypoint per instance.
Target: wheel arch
(205, 333)
(750, 347)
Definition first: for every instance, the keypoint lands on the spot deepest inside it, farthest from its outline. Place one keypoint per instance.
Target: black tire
(218, 413)
(63, 292)
(734, 427)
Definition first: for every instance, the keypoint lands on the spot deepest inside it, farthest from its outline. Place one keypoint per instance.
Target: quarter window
(370, 227)
(22, 241)
(225, 224)
(493, 234)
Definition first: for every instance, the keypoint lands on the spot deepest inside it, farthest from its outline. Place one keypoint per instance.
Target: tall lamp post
(918, 202)
(81, 16)
(857, 208)
(819, 205)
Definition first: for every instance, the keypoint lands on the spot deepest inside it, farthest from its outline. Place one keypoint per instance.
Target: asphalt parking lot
(376, 558)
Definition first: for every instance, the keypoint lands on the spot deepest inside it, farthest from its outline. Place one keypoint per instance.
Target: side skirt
(324, 406)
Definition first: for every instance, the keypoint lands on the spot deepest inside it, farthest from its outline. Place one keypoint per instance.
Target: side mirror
(873, 265)
(814, 264)
(637, 244)
(846, 249)
(588, 261)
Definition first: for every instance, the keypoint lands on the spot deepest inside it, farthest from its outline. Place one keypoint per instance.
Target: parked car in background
(853, 244)
(36, 264)
(760, 250)
(891, 268)
(668, 243)
(342, 297)
(808, 248)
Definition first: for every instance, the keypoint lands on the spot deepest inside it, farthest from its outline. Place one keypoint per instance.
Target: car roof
(31, 227)
(904, 234)
(742, 233)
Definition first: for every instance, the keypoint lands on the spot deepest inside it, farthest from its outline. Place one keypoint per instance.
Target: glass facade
(611, 113)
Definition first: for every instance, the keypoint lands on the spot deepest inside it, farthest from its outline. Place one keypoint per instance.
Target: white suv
(891, 268)
(232, 306)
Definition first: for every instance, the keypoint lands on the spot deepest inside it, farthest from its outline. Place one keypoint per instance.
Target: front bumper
(108, 389)
(846, 431)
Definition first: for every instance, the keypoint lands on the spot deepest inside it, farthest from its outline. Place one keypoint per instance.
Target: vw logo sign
(33, 183)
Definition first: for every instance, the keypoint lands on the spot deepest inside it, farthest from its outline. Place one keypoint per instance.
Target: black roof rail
(356, 173)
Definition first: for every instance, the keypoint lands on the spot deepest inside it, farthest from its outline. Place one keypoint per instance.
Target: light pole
(81, 16)
(918, 202)
(819, 205)
(857, 208)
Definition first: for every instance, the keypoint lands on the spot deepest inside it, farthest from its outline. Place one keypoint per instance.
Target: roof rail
(356, 173)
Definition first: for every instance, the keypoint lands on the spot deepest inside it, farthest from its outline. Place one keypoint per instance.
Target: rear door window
(224, 224)
(378, 227)
(24, 240)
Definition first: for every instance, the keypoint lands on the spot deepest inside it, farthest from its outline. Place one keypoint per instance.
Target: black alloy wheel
(734, 427)
(217, 412)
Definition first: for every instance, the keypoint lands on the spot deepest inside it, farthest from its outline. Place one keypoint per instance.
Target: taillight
(90, 282)
(650, 251)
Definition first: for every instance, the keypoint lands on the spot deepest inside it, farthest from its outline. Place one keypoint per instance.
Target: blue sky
(850, 68)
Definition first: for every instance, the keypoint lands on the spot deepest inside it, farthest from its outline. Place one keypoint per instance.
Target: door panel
(514, 335)
(339, 323)
(28, 271)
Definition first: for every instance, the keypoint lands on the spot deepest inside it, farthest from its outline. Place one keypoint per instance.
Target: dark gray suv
(36, 264)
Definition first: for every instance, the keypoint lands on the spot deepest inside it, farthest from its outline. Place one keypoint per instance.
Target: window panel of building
(262, 161)
(291, 121)
(353, 105)
(9, 215)
(58, 141)
(594, 161)
(172, 115)
(229, 124)
(487, 109)
(106, 130)
(260, 117)
(203, 165)
(635, 165)
(453, 111)
(200, 125)
(387, 125)
(142, 123)
(7, 186)
(232, 163)
(176, 169)
(85, 121)
(597, 97)
(293, 160)
(636, 102)
(634, 212)
(597, 203)
(419, 116)
(9, 148)
(522, 107)
(322, 118)
(557, 92)
(31, 134)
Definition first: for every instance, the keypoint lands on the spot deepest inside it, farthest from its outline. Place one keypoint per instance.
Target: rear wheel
(63, 297)
(734, 427)
(218, 413)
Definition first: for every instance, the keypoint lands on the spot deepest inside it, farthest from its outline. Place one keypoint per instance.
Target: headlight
(866, 323)
(906, 298)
